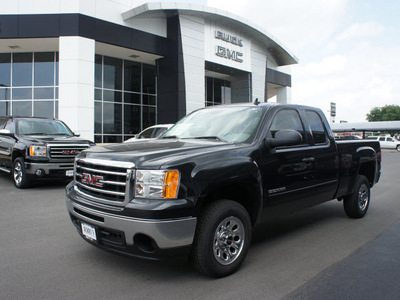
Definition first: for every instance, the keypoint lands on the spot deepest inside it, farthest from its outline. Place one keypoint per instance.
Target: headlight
(37, 151)
(156, 184)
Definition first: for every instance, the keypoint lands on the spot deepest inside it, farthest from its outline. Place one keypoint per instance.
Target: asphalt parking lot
(318, 253)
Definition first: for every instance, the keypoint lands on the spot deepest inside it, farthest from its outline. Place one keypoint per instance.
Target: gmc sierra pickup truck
(201, 187)
(36, 148)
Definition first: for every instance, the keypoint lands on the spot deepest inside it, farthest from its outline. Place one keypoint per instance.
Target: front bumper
(147, 238)
(53, 169)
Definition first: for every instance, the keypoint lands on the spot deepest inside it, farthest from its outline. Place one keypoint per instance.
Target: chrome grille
(65, 152)
(104, 181)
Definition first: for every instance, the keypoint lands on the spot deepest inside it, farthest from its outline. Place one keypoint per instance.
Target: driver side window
(287, 119)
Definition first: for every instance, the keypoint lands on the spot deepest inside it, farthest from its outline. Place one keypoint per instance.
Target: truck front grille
(104, 181)
(65, 152)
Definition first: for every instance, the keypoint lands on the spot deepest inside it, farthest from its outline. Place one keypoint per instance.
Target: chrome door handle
(309, 159)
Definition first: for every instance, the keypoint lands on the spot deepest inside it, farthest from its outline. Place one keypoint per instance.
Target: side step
(5, 170)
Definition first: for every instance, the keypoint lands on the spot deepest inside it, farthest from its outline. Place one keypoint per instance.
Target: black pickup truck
(36, 148)
(203, 186)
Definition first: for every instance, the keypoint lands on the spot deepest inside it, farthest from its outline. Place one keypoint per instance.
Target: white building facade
(110, 68)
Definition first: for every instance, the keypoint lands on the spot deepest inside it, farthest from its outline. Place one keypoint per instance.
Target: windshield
(42, 127)
(234, 124)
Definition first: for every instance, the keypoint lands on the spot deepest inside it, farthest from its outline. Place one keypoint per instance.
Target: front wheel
(21, 179)
(222, 239)
(356, 205)
(398, 148)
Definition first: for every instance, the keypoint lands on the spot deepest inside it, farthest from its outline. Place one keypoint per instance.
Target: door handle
(309, 159)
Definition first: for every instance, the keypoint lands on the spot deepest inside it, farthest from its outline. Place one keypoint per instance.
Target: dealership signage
(226, 52)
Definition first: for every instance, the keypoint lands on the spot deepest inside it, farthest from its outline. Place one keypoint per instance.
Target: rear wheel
(222, 239)
(356, 205)
(21, 179)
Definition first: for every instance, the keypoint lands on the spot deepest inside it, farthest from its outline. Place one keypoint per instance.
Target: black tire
(222, 238)
(398, 148)
(20, 177)
(356, 205)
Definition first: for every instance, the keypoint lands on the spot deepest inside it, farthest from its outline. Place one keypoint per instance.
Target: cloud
(368, 29)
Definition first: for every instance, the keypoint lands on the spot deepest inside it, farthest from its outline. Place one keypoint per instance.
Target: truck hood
(157, 153)
(53, 139)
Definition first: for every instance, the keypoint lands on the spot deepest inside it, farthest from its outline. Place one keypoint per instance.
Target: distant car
(151, 132)
(386, 142)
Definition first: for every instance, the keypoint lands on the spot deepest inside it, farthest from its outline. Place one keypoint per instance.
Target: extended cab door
(288, 173)
(325, 154)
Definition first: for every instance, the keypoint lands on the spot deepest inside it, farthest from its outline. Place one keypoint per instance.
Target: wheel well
(245, 194)
(368, 170)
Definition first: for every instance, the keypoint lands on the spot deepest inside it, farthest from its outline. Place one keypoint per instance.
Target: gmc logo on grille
(69, 152)
(92, 179)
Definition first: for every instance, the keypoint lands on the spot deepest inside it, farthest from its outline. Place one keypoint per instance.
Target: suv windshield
(42, 127)
(234, 124)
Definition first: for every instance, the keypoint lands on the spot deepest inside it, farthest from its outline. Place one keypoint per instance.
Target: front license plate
(69, 173)
(88, 231)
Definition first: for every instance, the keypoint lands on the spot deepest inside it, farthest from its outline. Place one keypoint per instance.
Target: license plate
(88, 231)
(69, 173)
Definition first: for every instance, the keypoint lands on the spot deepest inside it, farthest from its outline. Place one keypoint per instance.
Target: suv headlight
(157, 184)
(37, 151)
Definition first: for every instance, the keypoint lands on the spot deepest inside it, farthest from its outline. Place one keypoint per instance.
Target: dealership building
(110, 68)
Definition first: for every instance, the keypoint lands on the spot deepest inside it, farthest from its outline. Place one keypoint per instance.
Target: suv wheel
(356, 205)
(20, 177)
(222, 239)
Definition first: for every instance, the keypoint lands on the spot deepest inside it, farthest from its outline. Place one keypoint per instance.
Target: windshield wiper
(35, 133)
(209, 137)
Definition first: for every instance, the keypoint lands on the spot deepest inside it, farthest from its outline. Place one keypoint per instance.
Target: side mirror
(78, 134)
(6, 132)
(285, 138)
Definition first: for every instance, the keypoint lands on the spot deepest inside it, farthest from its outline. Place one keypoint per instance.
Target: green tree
(386, 113)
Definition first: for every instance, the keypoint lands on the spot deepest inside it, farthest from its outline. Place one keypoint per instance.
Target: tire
(20, 177)
(222, 238)
(356, 205)
(398, 148)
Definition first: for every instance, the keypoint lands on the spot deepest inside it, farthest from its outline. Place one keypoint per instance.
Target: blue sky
(348, 50)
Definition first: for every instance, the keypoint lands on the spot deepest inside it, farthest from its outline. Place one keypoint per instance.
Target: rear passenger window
(287, 119)
(382, 139)
(317, 127)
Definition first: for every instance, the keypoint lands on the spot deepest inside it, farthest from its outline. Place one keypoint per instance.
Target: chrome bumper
(169, 233)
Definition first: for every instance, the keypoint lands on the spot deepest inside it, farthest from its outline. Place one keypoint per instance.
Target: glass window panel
(56, 93)
(149, 79)
(4, 108)
(218, 84)
(132, 98)
(56, 109)
(209, 89)
(112, 139)
(4, 94)
(317, 128)
(149, 116)
(43, 93)
(98, 115)
(149, 100)
(112, 73)
(56, 67)
(97, 139)
(97, 94)
(131, 119)
(113, 96)
(132, 76)
(22, 108)
(5, 69)
(22, 93)
(112, 118)
(98, 71)
(44, 69)
(43, 109)
(22, 69)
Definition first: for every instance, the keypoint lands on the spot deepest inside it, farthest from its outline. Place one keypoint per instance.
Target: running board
(5, 170)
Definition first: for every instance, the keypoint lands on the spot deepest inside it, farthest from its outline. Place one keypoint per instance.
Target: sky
(348, 50)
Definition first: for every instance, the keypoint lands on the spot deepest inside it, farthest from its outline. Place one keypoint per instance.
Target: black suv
(33, 148)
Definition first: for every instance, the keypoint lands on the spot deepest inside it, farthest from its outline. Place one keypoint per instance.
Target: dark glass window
(317, 127)
(98, 71)
(22, 93)
(112, 96)
(44, 69)
(112, 139)
(132, 76)
(112, 73)
(97, 94)
(22, 69)
(209, 89)
(132, 119)
(149, 100)
(22, 108)
(4, 108)
(112, 118)
(287, 119)
(44, 93)
(43, 109)
(5, 69)
(132, 98)
(149, 79)
(98, 116)
(4, 94)
(149, 116)
(218, 91)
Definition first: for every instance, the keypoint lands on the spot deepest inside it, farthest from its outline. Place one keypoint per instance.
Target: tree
(386, 113)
